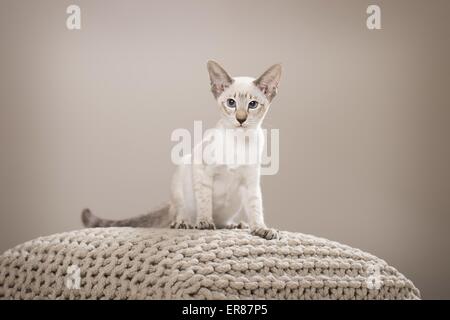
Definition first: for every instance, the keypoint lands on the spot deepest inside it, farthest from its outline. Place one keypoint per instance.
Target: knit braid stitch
(136, 263)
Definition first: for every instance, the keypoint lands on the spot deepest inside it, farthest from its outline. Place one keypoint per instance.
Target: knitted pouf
(128, 263)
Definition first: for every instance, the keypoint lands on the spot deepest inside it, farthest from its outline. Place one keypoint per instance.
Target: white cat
(209, 195)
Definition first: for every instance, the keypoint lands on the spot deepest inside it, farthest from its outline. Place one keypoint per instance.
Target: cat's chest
(226, 179)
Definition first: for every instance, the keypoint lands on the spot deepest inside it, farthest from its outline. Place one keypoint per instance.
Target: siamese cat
(216, 194)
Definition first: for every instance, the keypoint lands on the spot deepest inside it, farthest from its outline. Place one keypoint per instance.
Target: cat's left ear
(220, 79)
(269, 80)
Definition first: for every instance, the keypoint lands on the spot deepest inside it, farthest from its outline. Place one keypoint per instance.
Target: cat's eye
(231, 103)
(252, 104)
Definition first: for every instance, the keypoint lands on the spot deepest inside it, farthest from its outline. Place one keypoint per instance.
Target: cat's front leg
(254, 208)
(202, 185)
(181, 217)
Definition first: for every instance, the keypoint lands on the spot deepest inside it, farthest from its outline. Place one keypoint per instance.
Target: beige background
(86, 116)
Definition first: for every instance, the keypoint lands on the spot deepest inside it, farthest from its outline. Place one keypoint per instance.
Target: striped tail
(159, 217)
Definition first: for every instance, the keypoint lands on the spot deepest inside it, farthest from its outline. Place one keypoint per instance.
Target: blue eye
(253, 104)
(231, 103)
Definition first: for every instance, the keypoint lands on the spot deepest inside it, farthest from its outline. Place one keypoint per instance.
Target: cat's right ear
(220, 80)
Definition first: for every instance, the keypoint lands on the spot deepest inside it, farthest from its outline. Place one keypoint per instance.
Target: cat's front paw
(240, 225)
(181, 225)
(266, 233)
(205, 224)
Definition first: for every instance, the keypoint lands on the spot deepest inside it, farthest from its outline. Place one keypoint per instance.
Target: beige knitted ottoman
(127, 263)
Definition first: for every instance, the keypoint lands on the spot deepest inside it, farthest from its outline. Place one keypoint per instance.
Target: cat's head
(243, 101)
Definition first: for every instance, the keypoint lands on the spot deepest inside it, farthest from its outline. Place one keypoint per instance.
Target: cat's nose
(241, 116)
(241, 120)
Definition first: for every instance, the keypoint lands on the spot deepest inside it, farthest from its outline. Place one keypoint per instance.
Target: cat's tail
(159, 217)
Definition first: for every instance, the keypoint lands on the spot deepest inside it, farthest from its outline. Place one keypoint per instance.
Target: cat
(205, 195)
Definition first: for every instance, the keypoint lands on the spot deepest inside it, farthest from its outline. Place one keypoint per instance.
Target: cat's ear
(220, 80)
(269, 80)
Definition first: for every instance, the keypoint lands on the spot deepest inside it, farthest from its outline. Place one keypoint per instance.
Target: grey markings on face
(243, 106)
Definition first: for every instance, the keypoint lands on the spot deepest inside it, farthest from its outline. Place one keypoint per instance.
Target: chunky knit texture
(128, 263)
